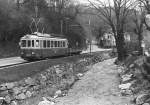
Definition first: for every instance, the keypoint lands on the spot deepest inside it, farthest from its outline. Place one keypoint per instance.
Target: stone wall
(55, 79)
(135, 80)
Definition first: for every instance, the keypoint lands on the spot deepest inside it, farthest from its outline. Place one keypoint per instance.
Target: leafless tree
(115, 13)
(139, 20)
(146, 4)
(66, 11)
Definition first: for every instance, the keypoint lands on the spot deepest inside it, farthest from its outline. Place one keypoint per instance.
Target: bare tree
(146, 4)
(115, 13)
(139, 20)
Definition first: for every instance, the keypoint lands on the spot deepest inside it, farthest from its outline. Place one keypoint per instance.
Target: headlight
(32, 53)
(19, 43)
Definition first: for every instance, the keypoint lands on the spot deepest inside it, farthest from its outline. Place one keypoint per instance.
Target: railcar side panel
(42, 53)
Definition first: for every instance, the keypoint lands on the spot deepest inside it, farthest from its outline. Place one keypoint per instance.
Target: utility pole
(18, 4)
(61, 26)
(61, 13)
(90, 33)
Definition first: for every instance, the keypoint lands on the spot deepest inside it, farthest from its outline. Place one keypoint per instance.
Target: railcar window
(48, 43)
(63, 44)
(59, 44)
(44, 43)
(52, 43)
(37, 43)
(41, 43)
(32, 43)
(23, 43)
(55, 43)
(29, 43)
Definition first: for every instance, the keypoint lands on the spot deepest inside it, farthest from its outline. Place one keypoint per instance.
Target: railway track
(10, 73)
(16, 61)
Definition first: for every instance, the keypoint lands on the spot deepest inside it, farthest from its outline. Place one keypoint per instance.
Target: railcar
(40, 46)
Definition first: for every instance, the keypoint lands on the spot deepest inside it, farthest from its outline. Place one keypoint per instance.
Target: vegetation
(77, 22)
(139, 26)
(116, 17)
(17, 19)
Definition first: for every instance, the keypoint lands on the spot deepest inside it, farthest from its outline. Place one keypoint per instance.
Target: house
(108, 39)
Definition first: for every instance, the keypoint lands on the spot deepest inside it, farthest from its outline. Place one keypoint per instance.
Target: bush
(132, 46)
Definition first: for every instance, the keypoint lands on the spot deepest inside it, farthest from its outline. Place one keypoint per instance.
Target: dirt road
(99, 86)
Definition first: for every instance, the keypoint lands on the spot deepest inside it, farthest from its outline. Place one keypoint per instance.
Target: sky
(84, 1)
(87, 2)
(104, 1)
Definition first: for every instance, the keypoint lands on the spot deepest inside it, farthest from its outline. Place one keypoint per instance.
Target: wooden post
(61, 26)
(91, 33)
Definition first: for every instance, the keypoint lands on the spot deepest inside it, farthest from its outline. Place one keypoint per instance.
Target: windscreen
(23, 43)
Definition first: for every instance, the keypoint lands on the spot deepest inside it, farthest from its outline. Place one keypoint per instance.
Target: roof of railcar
(42, 36)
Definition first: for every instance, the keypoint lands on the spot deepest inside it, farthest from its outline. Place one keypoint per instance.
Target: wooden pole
(90, 33)
(61, 26)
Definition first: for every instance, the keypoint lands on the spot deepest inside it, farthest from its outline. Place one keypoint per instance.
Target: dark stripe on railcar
(43, 53)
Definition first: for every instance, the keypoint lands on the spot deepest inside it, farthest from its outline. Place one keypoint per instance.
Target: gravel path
(99, 86)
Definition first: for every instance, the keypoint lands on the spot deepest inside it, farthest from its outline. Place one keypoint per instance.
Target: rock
(126, 77)
(131, 65)
(24, 90)
(34, 93)
(64, 93)
(7, 99)
(120, 71)
(106, 55)
(37, 87)
(22, 82)
(13, 103)
(141, 99)
(148, 100)
(28, 94)
(3, 87)
(16, 90)
(58, 71)
(138, 72)
(146, 104)
(140, 61)
(21, 96)
(71, 81)
(51, 99)
(51, 91)
(125, 86)
(63, 84)
(126, 92)
(46, 102)
(10, 85)
(30, 81)
(79, 75)
(43, 77)
(3, 93)
(1, 100)
(7, 86)
(58, 93)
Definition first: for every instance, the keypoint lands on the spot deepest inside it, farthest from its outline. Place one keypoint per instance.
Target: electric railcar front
(39, 46)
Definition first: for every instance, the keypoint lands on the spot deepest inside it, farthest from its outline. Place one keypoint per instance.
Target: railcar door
(44, 49)
(38, 46)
